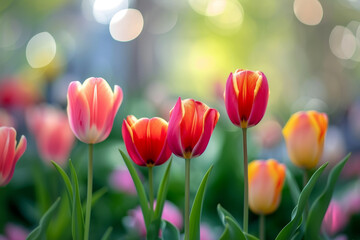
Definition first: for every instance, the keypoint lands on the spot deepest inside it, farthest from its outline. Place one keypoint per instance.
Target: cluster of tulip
(91, 110)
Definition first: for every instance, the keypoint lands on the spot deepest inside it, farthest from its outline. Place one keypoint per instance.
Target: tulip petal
(261, 97)
(78, 111)
(231, 102)
(210, 119)
(130, 146)
(173, 135)
(7, 153)
(18, 153)
(160, 149)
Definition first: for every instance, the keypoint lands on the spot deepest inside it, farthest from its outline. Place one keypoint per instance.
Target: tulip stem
(246, 186)
(151, 190)
(262, 227)
(89, 192)
(187, 197)
(305, 181)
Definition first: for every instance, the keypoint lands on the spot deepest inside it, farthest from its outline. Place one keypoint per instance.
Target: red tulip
(52, 132)
(145, 140)
(190, 127)
(9, 153)
(91, 109)
(246, 96)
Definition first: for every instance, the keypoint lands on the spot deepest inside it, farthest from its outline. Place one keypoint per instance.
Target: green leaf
(96, 196)
(224, 213)
(40, 231)
(144, 203)
(77, 213)
(294, 189)
(154, 227)
(67, 182)
(288, 231)
(107, 234)
(170, 232)
(318, 209)
(250, 237)
(235, 232)
(195, 214)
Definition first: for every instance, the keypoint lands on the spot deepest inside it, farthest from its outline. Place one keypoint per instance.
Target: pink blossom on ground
(335, 219)
(170, 213)
(120, 179)
(15, 232)
(206, 232)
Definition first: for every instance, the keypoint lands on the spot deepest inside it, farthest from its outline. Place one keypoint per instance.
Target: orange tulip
(190, 127)
(145, 140)
(266, 180)
(91, 109)
(9, 153)
(54, 138)
(304, 135)
(246, 97)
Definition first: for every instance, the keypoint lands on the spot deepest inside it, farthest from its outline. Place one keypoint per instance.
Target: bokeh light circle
(309, 12)
(126, 25)
(104, 10)
(342, 42)
(40, 50)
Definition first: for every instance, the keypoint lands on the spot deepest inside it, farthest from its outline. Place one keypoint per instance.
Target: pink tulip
(9, 153)
(190, 127)
(91, 109)
(206, 232)
(52, 132)
(246, 97)
(170, 213)
(120, 179)
(335, 219)
(6, 119)
(15, 232)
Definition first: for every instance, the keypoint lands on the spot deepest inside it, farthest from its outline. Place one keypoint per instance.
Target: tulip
(335, 219)
(6, 119)
(145, 140)
(52, 132)
(246, 96)
(9, 153)
(190, 127)
(170, 213)
(120, 179)
(91, 109)
(15, 232)
(304, 135)
(206, 232)
(266, 180)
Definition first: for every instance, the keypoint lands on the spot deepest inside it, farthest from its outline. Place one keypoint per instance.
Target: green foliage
(195, 214)
(288, 231)
(40, 231)
(107, 233)
(294, 189)
(67, 181)
(318, 209)
(170, 232)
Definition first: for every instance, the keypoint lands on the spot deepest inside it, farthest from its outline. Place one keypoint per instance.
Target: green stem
(246, 186)
(305, 181)
(151, 189)
(187, 197)
(89, 192)
(262, 227)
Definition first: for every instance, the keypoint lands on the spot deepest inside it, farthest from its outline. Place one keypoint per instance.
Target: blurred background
(158, 50)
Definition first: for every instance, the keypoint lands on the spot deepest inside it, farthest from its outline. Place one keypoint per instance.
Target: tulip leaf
(144, 203)
(222, 212)
(234, 230)
(318, 209)
(288, 231)
(67, 181)
(294, 189)
(154, 227)
(77, 212)
(195, 214)
(107, 233)
(170, 232)
(250, 237)
(96, 196)
(40, 231)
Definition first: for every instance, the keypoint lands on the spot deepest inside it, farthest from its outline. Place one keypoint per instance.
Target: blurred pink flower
(14, 232)
(15, 93)
(334, 147)
(120, 179)
(352, 167)
(206, 232)
(6, 119)
(170, 213)
(351, 201)
(335, 219)
(52, 132)
(268, 134)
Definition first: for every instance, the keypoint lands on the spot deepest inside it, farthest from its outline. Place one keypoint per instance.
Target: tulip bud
(190, 127)
(304, 135)
(91, 109)
(145, 140)
(9, 153)
(266, 180)
(246, 96)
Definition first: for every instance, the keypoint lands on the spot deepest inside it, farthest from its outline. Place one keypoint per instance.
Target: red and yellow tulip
(304, 135)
